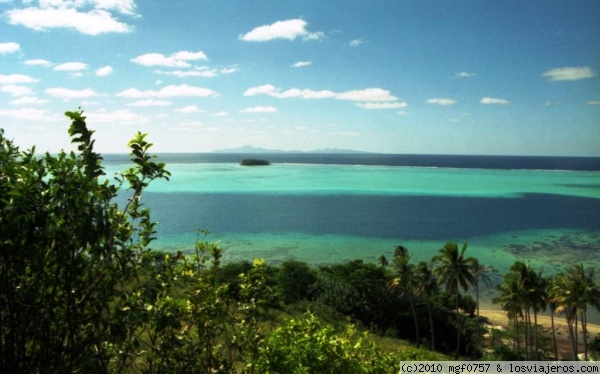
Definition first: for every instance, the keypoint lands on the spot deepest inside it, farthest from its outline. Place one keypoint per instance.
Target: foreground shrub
(307, 345)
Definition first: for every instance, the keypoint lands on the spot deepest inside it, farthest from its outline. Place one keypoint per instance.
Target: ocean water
(332, 208)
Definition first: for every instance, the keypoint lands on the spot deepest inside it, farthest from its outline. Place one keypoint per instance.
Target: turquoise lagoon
(324, 213)
(329, 213)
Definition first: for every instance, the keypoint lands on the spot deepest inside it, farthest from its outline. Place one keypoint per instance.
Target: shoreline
(498, 319)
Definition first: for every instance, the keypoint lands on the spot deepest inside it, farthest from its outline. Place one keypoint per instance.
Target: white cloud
(593, 102)
(150, 102)
(204, 73)
(568, 74)
(357, 42)
(10, 47)
(369, 94)
(124, 116)
(16, 90)
(221, 114)
(494, 101)
(68, 94)
(28, 100)
(289, 29)
(17, 78)
(104, 71)
(123, 6)
(259, 109)
(188, 109)
(175, 60)
(182, 90)
(301, 64)
(93, 22)
(441, 101)
(464, 74)
(386, 105)
(25, 114)
(71, 66)
(230, 70)
(38, 62)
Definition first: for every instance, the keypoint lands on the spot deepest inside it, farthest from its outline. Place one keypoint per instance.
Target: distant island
(254, 162)
(251, 149)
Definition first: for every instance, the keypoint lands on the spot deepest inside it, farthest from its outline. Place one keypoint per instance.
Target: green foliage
(307, 345)
(295, 281)
(67, 252)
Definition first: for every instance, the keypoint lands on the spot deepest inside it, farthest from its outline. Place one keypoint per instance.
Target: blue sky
(430, 77)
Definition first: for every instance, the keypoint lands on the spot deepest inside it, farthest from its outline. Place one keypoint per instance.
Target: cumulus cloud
(38, 62)
(16, 90)
(25, 114)
(150, 102)
(385, 105)
(301, 64)
(71, 66)
(68, 94)
(17, 78)
(441, 101)
(28, 100)
(259, 109)
(494, 101)
(229, 70)
(10, 47)
(289, 30)
(204, 73)
(368, 94)
(188, 109)
(221, 114)
(59, 14)
(175, 60)
(182, 90)
(124, 116)
(104, 71)
(357, 42)
(568, 74)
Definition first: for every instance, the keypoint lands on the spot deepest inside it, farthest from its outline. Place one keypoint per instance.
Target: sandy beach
(498, 318)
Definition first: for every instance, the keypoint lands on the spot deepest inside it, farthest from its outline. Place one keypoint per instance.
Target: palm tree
(481, 273)
(534, 299)
(383, 261)
(454, 272)
(427, 286)
(511, 299)
(562, 295)
(404, 283)
(585, 292)
(550, 289)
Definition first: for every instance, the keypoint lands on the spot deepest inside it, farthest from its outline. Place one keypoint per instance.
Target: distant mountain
(250, 149)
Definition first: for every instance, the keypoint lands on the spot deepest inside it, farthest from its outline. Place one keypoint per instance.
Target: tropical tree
(383, 261)
(454, 271)
(533, 288)
(426, 286)
(573, 293)
(550, 287)
(404, 282)
(481, 273)
(67, 251)
(511, 300)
